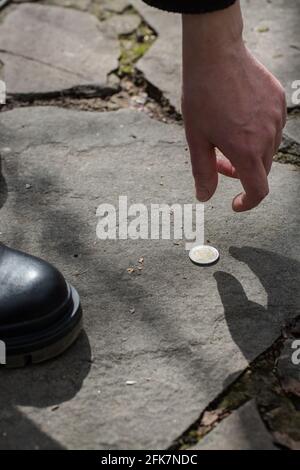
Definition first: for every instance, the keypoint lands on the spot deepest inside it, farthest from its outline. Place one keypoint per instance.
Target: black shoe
(40, 314)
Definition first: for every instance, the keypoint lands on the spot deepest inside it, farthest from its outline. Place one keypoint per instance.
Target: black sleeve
(190, 6)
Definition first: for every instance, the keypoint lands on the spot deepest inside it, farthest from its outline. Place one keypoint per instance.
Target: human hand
(230, 102)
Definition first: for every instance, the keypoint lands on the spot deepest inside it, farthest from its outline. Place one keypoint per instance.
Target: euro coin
(204, 255)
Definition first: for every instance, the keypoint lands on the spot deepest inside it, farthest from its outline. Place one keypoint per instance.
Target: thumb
(204, 166)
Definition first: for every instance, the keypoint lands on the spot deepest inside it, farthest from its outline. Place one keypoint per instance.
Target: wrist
(211, 35)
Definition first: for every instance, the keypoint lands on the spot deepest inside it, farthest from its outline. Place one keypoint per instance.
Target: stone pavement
(243, 430)
(57, 49)
(163, 338)
(179, 332)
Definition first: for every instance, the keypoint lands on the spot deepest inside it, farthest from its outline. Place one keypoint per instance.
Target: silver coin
(204, 255)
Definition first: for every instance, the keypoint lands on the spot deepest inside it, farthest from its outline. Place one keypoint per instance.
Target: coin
(204, 255)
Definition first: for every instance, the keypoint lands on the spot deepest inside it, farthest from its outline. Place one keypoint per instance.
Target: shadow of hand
(252, 326)
(248, 322)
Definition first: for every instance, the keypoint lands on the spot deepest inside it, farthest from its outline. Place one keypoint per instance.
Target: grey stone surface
(97, 6)
(161, 65)
(271, 32)
(123, 24)
(78, 4)
(290, 145)
(295, 329)
(116, 6)
(48, 48)
(242, 430)
(292, 129)
(181, 333)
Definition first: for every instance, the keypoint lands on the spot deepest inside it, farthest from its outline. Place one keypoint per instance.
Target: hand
(230, 102)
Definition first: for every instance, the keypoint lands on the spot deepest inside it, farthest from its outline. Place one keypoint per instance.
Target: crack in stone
(38, 61)
(293, 110)
(4, 3)
(160, 106)
(245, 387)
(261, 382)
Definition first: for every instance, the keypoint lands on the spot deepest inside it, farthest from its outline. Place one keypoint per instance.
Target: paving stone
(242, 430)
(78, 4)
(161, 65)
(290, 145)
(100, 6)
(292, 129)
(47, 48)
(271, 32)
(124, 24)
(179, 332)
(117, 6)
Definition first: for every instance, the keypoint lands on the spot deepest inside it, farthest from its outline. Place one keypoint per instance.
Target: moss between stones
(133, 46)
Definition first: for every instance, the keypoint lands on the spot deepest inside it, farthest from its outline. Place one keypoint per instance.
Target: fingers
(254, 179)
(225, 167)
(204, 166)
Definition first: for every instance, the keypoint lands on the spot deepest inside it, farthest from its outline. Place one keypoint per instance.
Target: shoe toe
(31, 289)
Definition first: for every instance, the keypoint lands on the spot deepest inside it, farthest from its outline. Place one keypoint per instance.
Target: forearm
(190, 6)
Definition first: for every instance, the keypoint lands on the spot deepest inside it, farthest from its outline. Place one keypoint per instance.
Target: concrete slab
(123, 24)
(161, 65)
(271, 32)
(292, 129)
(82, 5)
(242, 430)
(178, 332)
(95, 6)
(47, 48)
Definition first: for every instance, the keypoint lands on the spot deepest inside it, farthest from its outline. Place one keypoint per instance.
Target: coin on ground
(204, 255)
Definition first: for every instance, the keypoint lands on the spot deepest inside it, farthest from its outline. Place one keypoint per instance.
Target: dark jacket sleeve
(190, 6)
